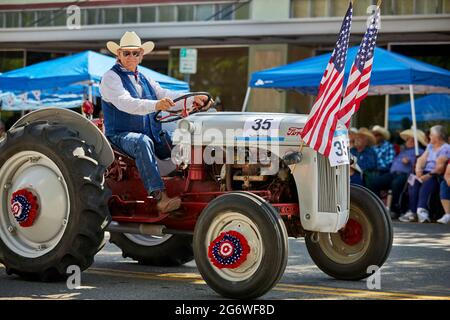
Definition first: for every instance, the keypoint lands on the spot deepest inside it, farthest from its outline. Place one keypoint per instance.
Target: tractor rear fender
(87, 130)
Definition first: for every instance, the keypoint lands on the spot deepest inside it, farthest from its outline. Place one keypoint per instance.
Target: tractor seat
(165, 166)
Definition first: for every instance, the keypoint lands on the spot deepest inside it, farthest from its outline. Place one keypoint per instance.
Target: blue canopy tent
(81, 69)
(434, 107)
(392, 73)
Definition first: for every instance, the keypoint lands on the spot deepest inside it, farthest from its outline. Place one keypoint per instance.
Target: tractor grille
(333, 186)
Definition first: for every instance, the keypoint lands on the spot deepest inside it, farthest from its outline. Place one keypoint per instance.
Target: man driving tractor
(128, 100)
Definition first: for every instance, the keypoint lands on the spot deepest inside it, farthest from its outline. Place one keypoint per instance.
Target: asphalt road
(418, 268)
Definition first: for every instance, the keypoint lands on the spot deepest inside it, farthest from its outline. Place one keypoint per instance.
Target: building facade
(233, 38)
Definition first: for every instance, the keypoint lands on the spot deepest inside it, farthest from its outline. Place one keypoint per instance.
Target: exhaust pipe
(143, 228)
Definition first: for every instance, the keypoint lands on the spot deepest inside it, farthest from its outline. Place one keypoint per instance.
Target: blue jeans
(445, 191)
(144, 150)
(394, 181)
(420, 193)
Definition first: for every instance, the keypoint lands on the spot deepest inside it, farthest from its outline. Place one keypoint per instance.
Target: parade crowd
(415, 187)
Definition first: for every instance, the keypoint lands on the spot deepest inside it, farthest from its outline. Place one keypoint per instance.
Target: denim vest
(117, 121)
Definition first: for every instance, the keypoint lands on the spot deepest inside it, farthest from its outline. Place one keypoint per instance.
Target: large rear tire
(166, 251)
(49, 163)
(240, 246)
(365, 241)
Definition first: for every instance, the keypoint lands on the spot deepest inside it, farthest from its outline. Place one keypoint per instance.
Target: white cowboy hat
(381, 130)
(130, 40)
(409, 133)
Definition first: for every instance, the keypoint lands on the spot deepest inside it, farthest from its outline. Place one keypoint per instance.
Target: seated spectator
(445, 196)
(366, 157)
(2, 130)
(401, 167)
(425, 182)
(383, 148)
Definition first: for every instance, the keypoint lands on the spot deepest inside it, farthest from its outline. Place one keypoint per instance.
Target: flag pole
(413, 113)
(300, 151)
(247, 96)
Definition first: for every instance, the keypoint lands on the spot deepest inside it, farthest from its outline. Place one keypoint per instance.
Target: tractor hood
(282, 128)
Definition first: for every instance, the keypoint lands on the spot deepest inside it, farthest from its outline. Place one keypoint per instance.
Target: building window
(167, 13)
(403, 7)
(185, 13)
(387, 7)
(28, 18)
(93, 16)
(148, 14)
(224, 11)
(59, 18)
(446, 6)
(111, 15)
(300, 8)
(319, 8)
(12, 19)
(428, 7)
(129, 15)
(44, 19)
(338, 8)
(361, 6)
(204, 12)
(242, 11)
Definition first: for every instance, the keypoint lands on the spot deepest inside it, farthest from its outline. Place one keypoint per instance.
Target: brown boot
(166, 204)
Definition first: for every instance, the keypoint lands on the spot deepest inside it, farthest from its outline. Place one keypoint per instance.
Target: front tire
(240, 246)
(50, 164)
(365, 241)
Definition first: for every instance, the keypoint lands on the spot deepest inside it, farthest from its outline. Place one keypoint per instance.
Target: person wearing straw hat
(429, 166)
(383, 148)
(366, 157)
(401, 167)
(128, 101)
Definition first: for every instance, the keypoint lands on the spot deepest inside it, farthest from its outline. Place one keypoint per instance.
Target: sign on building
(188, 61)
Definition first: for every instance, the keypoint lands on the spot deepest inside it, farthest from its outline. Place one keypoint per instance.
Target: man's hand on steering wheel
(202, 102)
(164, 104)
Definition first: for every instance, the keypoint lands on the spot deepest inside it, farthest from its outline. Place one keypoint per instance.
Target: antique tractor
(62, 185)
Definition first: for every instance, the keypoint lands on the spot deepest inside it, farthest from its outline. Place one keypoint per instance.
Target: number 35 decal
(264, 124)
(340, 148)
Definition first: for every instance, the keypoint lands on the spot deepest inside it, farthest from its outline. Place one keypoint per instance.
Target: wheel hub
(229, 250)
(34, 204)
(24, 207)
(352, 233)
(234, 239)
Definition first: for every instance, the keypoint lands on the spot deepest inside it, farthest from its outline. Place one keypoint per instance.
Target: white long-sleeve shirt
(112, 91)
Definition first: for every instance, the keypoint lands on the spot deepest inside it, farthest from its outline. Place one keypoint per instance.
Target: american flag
(317, 132)
(358, 81)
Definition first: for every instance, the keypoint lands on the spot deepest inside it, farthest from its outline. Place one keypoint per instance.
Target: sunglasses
(134, 53)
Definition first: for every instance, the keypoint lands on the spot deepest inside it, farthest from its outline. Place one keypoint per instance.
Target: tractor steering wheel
(184, 112)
